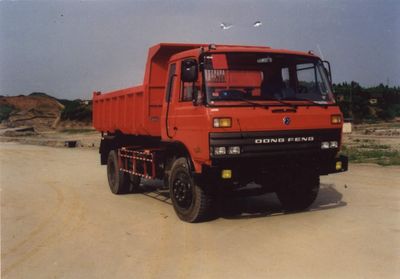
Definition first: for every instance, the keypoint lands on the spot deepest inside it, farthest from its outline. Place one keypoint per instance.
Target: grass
(374, 153)
(379, 125)
(374, 146)
(77, 131)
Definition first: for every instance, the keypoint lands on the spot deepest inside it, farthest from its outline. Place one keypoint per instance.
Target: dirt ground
(88, 138)
(386, 133)
(59, 220)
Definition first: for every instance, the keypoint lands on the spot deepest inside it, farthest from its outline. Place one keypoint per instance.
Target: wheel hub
(182, 191)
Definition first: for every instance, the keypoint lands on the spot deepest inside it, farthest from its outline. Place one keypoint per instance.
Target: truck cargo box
(137, 110)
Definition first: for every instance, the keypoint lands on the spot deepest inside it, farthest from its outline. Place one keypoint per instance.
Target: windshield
(265, 77)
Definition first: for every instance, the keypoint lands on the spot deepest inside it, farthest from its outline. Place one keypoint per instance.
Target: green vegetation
(374, 146)
(78, 130)
(371, 152)
(368, 104)
(73, 109)
(76, 110)
(5, 111)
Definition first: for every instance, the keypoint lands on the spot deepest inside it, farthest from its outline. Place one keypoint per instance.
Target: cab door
(190, 122)
(168, 116)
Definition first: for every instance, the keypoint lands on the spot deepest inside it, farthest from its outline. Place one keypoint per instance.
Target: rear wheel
(299, 191)
(118, 181)
(191, 202)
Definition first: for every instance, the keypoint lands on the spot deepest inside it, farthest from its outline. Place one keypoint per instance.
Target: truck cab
(231, 115)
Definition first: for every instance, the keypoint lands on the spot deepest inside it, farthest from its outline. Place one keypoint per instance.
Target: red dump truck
(213, 118)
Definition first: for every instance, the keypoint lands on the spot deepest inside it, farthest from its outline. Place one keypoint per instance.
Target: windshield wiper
(264, 105)
(283, 103)
(253, 103)
(311, 102)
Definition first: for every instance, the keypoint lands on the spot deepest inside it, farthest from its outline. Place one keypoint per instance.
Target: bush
(354, 101)
(5, 111)
(75, 110)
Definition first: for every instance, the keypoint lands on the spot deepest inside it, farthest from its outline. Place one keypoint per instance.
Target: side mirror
(189, 71)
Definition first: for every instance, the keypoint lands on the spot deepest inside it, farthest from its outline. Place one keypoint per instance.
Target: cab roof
(159, 55)
(236, 48)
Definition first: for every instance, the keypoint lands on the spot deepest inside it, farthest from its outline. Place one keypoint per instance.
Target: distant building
(375, 97)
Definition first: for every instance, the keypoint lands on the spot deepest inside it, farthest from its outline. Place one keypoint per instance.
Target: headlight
(220, 150)
(329, 144)
(222, 122)
(333, 144)
(234, 150)
(336, 119)
(325, 145)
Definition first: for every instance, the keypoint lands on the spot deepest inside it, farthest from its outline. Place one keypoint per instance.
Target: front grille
(256, 144)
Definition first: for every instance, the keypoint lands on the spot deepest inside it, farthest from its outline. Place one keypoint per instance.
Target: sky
(69, 49)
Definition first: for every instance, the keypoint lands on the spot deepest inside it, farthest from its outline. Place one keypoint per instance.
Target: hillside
(43, 112)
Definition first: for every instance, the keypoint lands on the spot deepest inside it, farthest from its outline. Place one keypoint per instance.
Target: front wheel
(299, 191)
(191, 203)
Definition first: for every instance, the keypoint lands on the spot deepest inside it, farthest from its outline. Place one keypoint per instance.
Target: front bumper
(272, 168)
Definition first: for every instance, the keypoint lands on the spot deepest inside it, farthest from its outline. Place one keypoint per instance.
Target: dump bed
(122, 110)
(137, 110)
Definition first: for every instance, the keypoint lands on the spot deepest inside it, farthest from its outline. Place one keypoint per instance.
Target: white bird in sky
(257, 23)
(225, 26)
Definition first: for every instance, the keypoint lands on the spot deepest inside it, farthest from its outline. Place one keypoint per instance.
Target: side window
(321, 84)
(171, 79)
(187, 91)
(286, 77)
(306, 76)
(310, 82)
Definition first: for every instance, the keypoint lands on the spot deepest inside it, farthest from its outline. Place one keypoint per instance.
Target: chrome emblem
(286, 120)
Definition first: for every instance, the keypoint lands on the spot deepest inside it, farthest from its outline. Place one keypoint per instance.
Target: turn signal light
(336, 119)
(222, 122)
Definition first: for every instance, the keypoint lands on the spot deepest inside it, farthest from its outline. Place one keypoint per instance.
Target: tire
(191, 203)
(118, 181)
(299, 191)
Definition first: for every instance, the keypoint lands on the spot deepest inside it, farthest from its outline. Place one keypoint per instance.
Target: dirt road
(59, 220)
